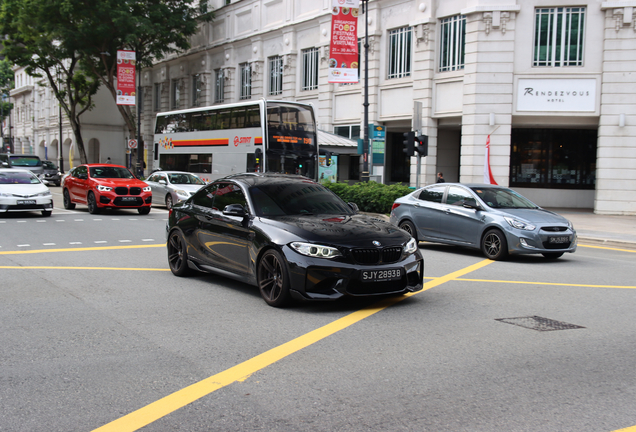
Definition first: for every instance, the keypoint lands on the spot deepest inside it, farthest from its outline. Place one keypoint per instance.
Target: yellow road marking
(627, 429)
(96, 248)
(80, 268)
(542, 283)
(158, 409)
(608, 248)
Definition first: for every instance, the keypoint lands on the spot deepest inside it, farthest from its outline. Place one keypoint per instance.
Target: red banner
(343, 50)
(126, 78)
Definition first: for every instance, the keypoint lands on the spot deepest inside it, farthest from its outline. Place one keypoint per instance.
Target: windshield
(295, 198)
(185, 179)
(49, 165)
(26, 161)
(111, 172)
(503, 198)
(18, 178)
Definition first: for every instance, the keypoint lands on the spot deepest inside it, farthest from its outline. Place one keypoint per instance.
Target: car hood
(348, 231)
(536, 216)
(121, 182)
(24, 190)
(186, 187)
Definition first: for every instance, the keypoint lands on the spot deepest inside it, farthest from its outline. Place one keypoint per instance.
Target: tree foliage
(6, 84)
(370, 196)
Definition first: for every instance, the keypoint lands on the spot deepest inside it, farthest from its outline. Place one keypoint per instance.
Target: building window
(352, 132)
(452, 43)
(400, 52)
(310, 69)
(157, 97)
(553, 158)
(176, 94)
(219, 86)
(558, 36)
(275, 75)
(196, 90)
(246, 81)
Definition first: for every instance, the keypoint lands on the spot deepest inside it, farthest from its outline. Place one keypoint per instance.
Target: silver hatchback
(495, 219)
(171, 187)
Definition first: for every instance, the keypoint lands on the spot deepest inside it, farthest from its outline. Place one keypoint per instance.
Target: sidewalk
(601, 230)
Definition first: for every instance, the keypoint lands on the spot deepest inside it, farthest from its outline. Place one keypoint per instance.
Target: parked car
(32, 163)
(21, 190)
(51, 173)
(173, 186)
(292, 238)
(102, 186)
(495, 219)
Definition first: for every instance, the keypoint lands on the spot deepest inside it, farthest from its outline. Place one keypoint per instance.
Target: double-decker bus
(255, 136)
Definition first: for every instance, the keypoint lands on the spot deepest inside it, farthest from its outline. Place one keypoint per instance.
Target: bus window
(223, 119)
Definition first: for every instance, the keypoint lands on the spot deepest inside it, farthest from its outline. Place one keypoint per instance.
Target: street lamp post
(60, 147)
(365, 145)
(140, 147)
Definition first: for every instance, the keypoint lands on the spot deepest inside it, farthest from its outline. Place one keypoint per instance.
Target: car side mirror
(354, 207)
(5, 164)
(234, 210)
(472, 204)
(82, 176)
(162, 182)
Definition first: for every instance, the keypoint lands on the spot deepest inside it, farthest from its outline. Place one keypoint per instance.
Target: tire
(143, 210)
(273, 279)
(409, 228)
(92, 204)
(494, 245)
(178, 254)
(68, 205)
(46, 213)
(169, 201)
(552, 255)
(58, 184)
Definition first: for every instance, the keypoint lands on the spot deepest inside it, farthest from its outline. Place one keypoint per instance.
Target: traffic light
(422, 146)
(409, 143)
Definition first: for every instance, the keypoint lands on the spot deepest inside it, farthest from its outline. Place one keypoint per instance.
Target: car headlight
(147, 189)
(181, 192)
(47, 193)
(410, 247)
(516, 223)
(315, 251)
(5, 194)
(103, 188)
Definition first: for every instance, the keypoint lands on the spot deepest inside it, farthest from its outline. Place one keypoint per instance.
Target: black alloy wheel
(169, 201)
(552, 255)
(178, 254)
(143, 210)
(68, 205)
(92, 203)
(273, 279)
(409, 228)
(494, 245)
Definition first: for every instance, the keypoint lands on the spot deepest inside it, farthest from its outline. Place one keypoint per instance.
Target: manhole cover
(538, 323)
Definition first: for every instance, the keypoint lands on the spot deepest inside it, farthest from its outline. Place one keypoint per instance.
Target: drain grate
(538, 323)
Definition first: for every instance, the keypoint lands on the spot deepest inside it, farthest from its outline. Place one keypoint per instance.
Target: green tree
(6, 84)
(35, 39)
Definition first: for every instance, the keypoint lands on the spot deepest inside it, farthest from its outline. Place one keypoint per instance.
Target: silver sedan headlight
(315, 251)
(519, 224)
(46, 193)
(181, 193)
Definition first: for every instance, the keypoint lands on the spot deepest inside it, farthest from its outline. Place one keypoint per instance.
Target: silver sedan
(495, 219)
(171, 187)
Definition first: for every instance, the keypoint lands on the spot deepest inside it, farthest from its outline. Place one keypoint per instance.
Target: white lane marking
(20, 221)
(24, 245)
(48, 244)
(101, 241)
(124, 241)
(75, 243)
(148, 240)
(40, 221)
(79, 220)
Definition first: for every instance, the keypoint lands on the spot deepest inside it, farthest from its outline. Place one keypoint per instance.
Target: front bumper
(112, 200)
(321, 279)
(12, 205)
(538, 241)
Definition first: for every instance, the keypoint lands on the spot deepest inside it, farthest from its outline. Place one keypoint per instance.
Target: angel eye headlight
(103, 188)
(315, 251)
(411, 246)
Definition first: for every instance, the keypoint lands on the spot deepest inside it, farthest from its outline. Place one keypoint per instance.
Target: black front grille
(121, 190)
(554, 229)
(375, 256)
(549, 245)
(135, 191)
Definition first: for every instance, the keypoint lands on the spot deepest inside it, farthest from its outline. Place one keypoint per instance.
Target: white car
(171, 187)
(21, 190)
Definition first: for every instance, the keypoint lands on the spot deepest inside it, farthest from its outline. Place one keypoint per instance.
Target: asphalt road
(97, 333)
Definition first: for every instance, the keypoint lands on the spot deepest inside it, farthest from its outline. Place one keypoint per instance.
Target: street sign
(132, 143)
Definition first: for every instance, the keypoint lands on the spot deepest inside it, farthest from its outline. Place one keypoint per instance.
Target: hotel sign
(563, 95)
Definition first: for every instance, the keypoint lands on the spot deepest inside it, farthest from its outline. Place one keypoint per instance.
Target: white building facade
(551, 85)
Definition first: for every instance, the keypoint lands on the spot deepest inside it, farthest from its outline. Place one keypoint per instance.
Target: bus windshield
(291, 143)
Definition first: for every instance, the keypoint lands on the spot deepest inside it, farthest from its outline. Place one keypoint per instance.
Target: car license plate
(129, 199)
(559, 240)
(26, 202)
(381, 275)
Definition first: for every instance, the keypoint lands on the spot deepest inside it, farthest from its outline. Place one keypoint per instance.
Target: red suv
(102, 186)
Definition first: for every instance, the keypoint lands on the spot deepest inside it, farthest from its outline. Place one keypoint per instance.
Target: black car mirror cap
(472, 204)
(354, 207)
(234, 210)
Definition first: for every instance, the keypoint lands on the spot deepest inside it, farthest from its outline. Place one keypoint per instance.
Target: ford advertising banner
(343, 50)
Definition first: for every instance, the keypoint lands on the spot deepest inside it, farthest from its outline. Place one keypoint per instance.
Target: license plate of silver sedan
(292, 238)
